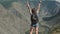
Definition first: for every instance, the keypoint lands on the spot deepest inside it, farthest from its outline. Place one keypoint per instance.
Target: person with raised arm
(34, 17)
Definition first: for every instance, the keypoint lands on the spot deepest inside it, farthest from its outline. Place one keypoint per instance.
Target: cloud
(58, 0)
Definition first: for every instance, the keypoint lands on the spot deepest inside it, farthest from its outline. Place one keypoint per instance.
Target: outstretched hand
(40, 2)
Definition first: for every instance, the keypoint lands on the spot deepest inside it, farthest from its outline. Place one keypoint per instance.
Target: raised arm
(29, 8)
(38, 7)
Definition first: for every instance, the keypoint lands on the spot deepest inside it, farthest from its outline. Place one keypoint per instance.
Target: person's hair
(33, 11)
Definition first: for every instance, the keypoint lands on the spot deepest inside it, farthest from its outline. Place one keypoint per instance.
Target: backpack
(34, 18)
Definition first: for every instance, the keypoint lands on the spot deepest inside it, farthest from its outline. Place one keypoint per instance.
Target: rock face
(15, 17)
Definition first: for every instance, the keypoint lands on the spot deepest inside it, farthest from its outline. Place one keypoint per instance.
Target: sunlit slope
(13, 20)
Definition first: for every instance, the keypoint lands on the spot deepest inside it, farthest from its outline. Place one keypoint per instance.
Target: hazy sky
(58, 0)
